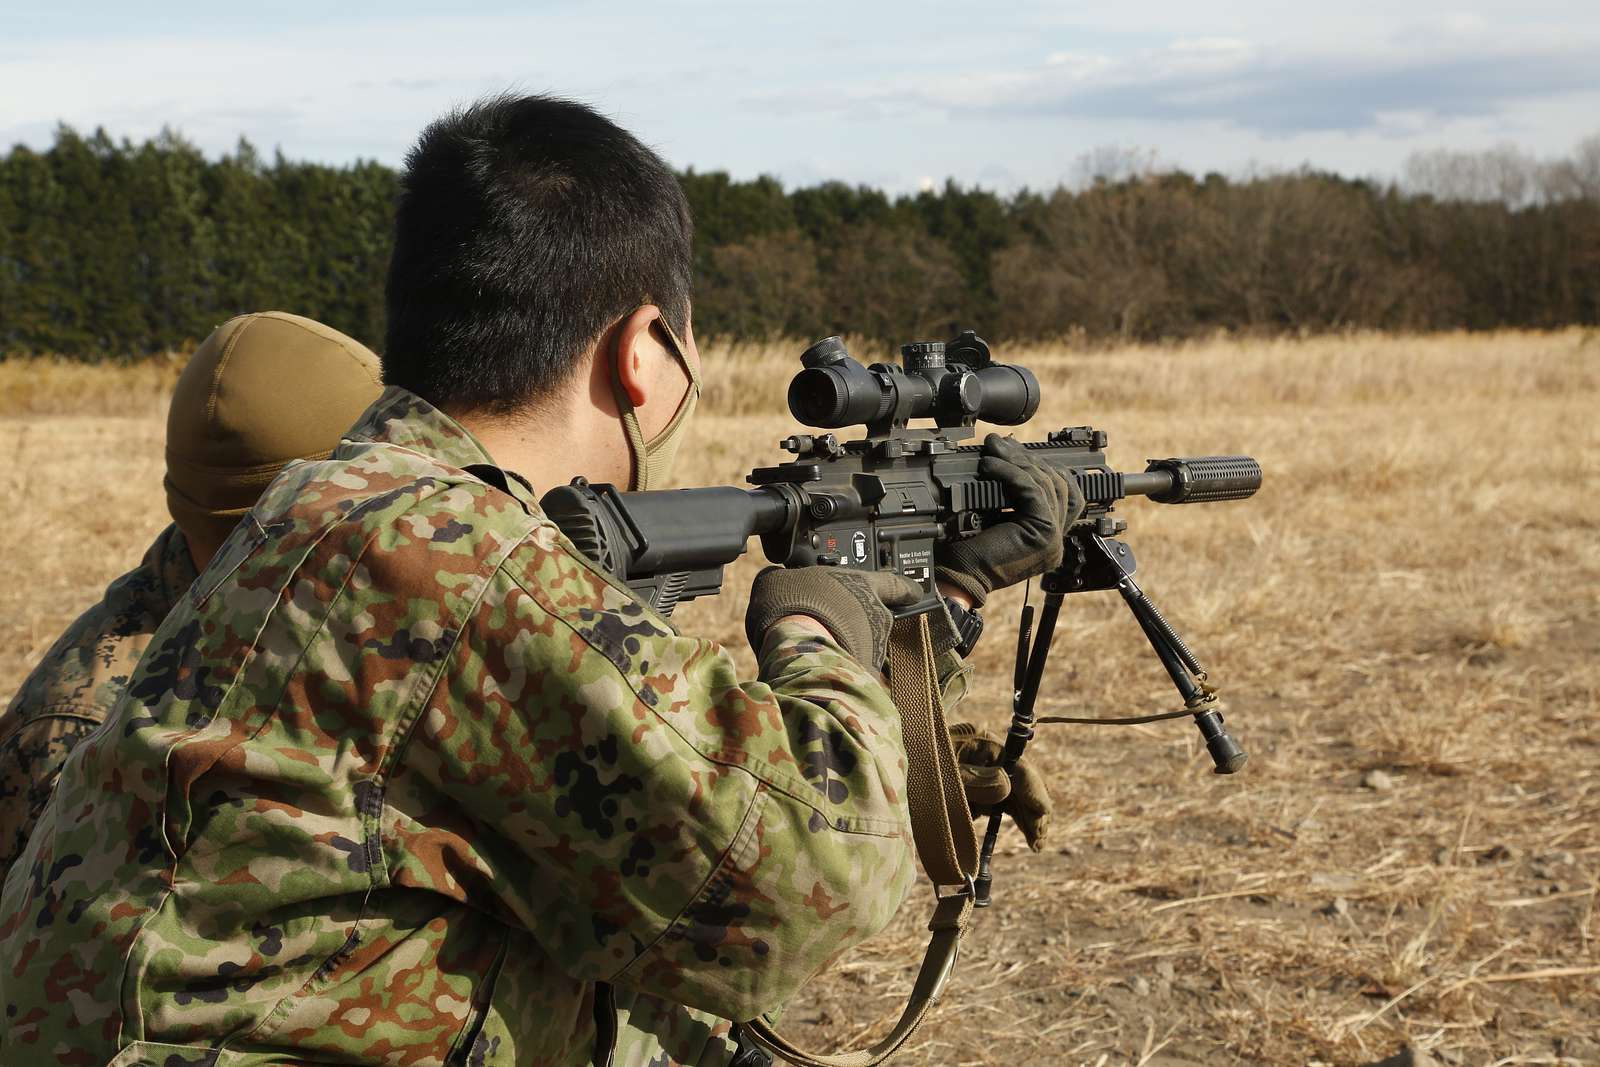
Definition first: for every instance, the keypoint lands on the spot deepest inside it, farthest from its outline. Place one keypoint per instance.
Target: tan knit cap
(262, 390)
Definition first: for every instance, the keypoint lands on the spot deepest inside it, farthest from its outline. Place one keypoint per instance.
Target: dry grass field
(1406, 624)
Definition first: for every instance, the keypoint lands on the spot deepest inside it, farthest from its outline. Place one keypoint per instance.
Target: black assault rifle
(883, 502)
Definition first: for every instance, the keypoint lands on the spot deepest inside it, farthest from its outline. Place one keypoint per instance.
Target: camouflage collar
(169, 560)
(402, 418)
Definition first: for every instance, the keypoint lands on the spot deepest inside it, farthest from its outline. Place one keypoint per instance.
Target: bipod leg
(1184, 669)
(1031, 657)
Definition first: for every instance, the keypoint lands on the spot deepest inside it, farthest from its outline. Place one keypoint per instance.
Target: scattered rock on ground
(1378, 781)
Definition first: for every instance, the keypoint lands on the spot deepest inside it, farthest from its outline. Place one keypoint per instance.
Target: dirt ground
(1406, 625)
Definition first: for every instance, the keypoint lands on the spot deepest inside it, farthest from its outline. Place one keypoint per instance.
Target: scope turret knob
(922, 355)
(960, 393)
(825, 353)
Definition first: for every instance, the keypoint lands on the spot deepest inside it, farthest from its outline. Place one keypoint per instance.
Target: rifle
(885, 500)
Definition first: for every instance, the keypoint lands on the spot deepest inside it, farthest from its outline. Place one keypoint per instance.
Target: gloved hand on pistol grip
(1044, 504)
(1023, 795)
(854, 605)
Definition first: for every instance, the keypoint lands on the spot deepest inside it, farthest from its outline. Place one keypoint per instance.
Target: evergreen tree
(108, 250)
(176, 242)
(37, 229)
(825, 212)
(10, 278)
(102, 245)
(258, 251)
(974, 225)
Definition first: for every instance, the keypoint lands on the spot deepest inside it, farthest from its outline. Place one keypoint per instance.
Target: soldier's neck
(555, 443)
(201, 549)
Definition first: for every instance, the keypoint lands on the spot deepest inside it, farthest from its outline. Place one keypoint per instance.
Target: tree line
(113, 250)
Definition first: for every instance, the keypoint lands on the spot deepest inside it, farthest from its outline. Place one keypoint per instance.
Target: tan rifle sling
(941, 826)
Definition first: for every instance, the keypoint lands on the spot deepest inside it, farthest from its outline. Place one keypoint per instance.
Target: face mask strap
(630, 421)
(682, 352)
(652, 458)
(690, 395)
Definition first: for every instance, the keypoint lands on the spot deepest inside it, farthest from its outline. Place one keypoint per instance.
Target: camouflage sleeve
(954, 675)
(824, 858)
(30, 762)
(648, 817)
(951, 669)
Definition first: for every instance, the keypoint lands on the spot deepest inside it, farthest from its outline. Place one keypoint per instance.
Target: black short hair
(526, 225)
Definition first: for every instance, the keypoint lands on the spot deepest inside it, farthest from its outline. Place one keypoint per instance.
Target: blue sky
(893, 94)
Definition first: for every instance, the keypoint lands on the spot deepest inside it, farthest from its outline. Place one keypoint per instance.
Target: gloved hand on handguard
(1044, 504)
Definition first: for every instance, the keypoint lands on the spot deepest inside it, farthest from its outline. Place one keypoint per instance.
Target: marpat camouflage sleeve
(78, 681)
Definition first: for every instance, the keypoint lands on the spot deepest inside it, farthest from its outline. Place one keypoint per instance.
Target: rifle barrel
(1195, 479)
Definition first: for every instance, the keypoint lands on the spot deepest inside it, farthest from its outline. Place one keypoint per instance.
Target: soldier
(260, 391)
(408, 779)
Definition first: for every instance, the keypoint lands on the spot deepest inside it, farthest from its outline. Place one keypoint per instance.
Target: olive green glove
(1044, 503)
(854, 605)
(1023, 795)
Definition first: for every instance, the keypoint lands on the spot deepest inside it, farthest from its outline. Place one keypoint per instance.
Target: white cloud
(884, 93)
(1274, 91)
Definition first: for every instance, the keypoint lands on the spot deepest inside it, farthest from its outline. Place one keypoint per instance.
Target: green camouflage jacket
(404, 775)
(80, 678)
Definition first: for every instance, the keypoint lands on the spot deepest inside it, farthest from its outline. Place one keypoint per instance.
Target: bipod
(1031, 655)
(1092, 562)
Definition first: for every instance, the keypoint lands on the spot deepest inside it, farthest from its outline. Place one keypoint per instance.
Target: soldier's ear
(636, 354)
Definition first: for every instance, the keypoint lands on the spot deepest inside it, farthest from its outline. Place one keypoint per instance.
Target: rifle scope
(954, 384)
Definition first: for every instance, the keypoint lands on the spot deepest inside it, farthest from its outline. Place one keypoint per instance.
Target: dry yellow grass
(47, 386)
(1415, 591)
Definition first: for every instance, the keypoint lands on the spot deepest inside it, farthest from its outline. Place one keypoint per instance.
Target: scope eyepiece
(838, 393)
(825, 353)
